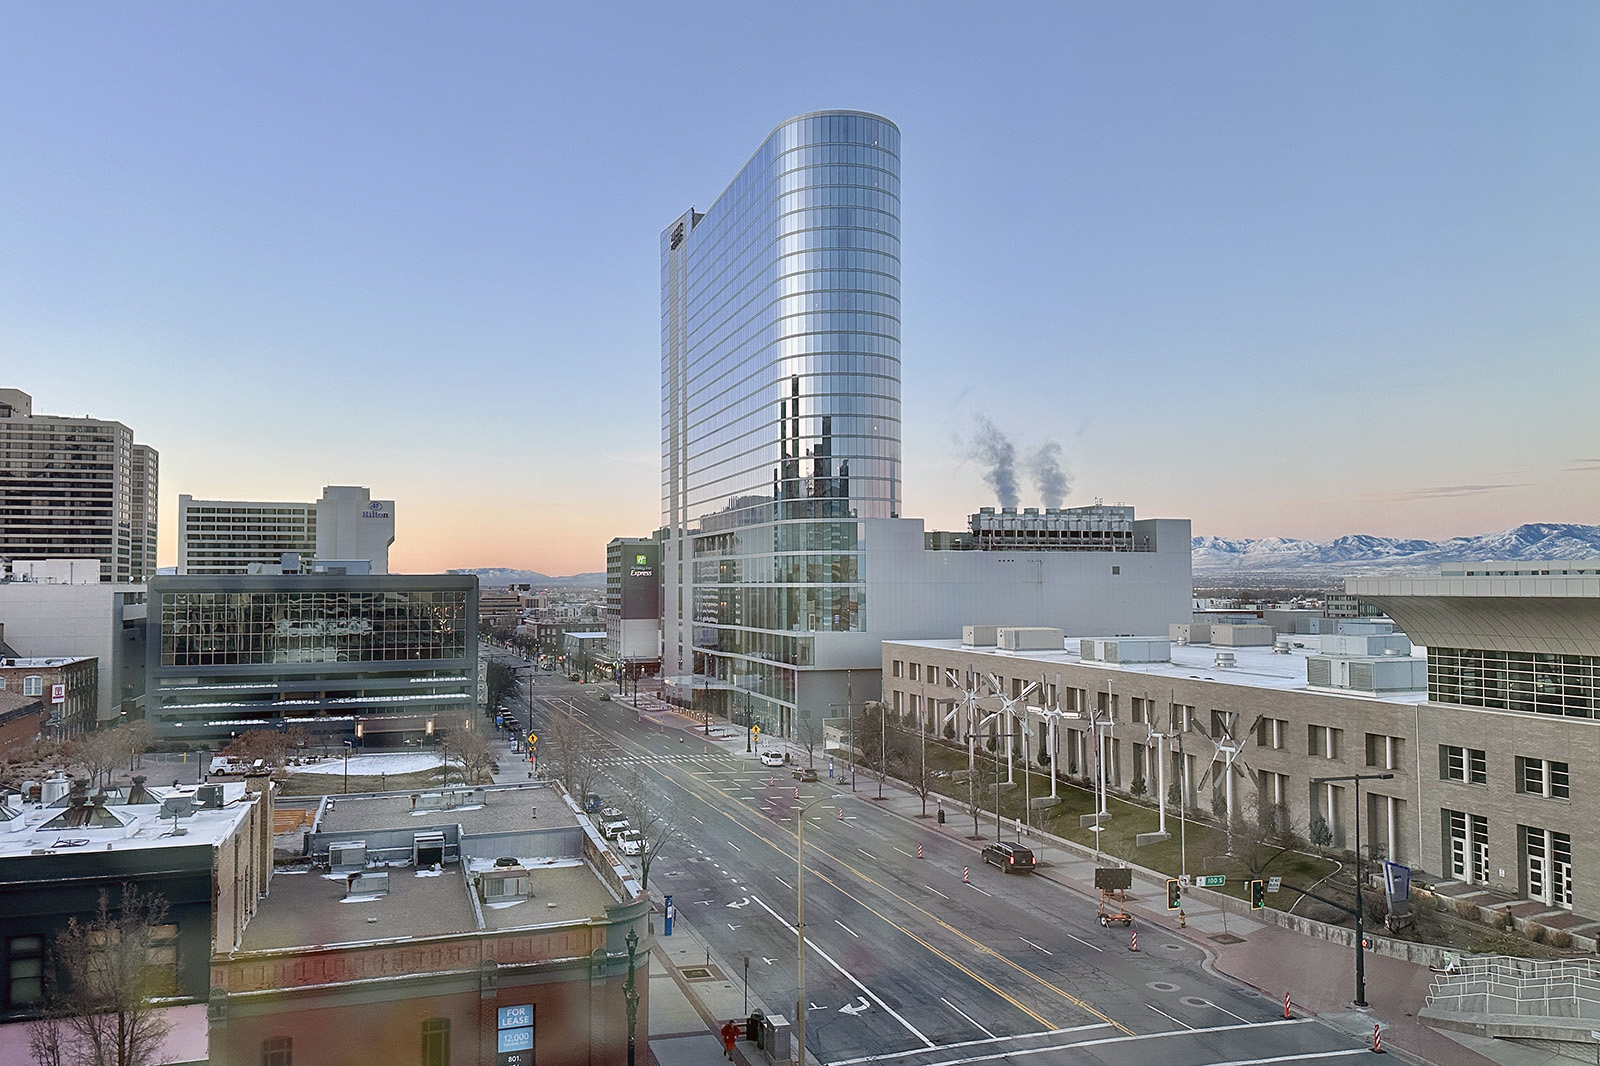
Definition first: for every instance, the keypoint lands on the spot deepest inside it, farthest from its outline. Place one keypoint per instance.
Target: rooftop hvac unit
(347, 853)
(1225, 659)
(427, 849)
(505, 883)
(209, 796)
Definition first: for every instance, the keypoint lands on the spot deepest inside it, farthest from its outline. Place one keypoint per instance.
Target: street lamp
(347, 746)
(800, 930)
(1361, 936)
(630, 992)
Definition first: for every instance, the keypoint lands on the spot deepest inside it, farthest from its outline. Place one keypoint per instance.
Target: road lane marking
(1031, 944)
(946, 926)
(732, 845)
(847, 929)
(1303, 1056)
(896, 1015)
(868, 854)
(965, 1015)
(1169, 1017)
(970, 1043)
(782, 882)
(904, 852)
(1079, 939)
(1226, 1011)
(935, 891)
(975, 888)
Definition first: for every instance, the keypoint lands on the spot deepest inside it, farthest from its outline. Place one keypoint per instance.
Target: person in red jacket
(730, 1033)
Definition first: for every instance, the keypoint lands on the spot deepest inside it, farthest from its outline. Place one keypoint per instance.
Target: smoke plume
(1052, 482)
(994, 450)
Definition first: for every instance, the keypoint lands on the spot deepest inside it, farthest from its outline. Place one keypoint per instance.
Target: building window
(277, 1051)
(1543, 777)
(24, 970)
(33, 685)
(932, 675)
(1466, 846)
(916, 671)
(1323, 741)
(436, 1042)
(1385, 752)
(1548, 869)
(1463, 764)
(1269, 733)
(897, 668)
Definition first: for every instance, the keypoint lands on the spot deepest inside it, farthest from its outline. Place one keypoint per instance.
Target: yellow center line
(1063, 993)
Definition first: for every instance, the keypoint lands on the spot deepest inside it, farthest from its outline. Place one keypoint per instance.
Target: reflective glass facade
(780, 400)
(379, 660)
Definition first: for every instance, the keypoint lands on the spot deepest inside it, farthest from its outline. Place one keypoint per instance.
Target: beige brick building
(1494, 761)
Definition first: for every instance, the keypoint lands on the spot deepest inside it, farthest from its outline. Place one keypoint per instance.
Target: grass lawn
(1204, 845)
(334, 784)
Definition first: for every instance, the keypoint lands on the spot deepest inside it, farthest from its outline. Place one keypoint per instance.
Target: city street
(906, 960)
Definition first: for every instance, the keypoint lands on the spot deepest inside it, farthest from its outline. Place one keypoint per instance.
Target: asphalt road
(907, 961)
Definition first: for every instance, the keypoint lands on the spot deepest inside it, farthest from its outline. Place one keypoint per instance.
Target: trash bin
(941, 815)
(753, 1027)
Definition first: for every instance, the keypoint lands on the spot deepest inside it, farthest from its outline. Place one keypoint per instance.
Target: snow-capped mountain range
(1533, 540)
(498, 577)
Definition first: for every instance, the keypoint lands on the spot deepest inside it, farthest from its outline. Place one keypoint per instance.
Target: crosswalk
(634, 760)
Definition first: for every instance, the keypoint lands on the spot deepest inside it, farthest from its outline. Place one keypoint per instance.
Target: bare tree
(473, 752)
(96, 753)
(500, 681)
(808, 732)
(113, 968)
(273, 747)
(1259, 844)
(655, 825)
(572, 750)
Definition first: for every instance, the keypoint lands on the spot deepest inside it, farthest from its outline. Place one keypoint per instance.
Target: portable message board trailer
(1113, 883)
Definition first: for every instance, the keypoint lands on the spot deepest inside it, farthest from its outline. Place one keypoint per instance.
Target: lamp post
(347, 746)
(630, 993)
(800, 931)
(1361, 935)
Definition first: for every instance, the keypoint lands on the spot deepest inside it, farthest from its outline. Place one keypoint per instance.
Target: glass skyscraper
(780, 408)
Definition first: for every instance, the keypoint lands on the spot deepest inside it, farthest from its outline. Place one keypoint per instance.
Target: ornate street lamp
(630, 992)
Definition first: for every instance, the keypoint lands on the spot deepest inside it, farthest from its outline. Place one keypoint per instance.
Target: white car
(772, 758)
(631, 842)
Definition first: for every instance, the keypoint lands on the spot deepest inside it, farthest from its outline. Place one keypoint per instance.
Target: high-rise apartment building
(227, 536)
(76, 487)
(780, 402)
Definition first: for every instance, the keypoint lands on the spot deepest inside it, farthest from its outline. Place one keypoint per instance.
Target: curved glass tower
(780, 407)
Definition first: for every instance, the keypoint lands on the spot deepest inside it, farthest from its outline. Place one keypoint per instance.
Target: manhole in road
(1162, 986)
(1196, 1001)
(1172, 947)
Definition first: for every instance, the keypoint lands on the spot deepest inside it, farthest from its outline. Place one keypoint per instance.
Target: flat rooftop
(481, 810)
(307, 907)
(141, 826)
(1255, 667)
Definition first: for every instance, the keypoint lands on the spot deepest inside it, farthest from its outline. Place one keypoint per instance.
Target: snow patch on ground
(373, 765)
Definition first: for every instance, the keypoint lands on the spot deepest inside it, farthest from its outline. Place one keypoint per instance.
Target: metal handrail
(1499, 984)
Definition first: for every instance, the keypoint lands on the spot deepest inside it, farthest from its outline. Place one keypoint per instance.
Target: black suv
(1012, 858)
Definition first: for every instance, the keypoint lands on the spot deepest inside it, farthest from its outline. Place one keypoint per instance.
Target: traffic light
(1258, 895)
(1174, 900)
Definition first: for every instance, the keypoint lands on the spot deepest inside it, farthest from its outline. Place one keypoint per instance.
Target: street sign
(671, 913)
(1211, 880)
(58, 694)
(1183, 881)
(533, 738)
(1274, 883)
(756, 730)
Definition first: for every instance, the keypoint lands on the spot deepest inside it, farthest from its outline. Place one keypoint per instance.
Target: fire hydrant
(1183, 919)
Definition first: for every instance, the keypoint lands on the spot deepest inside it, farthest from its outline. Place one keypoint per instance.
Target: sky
(1301, 270)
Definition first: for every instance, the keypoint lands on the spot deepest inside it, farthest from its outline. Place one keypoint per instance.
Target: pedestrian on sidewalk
(730, 1033)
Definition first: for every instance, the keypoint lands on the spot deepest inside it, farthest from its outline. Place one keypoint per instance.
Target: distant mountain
(1534, 540)
(491, 577)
